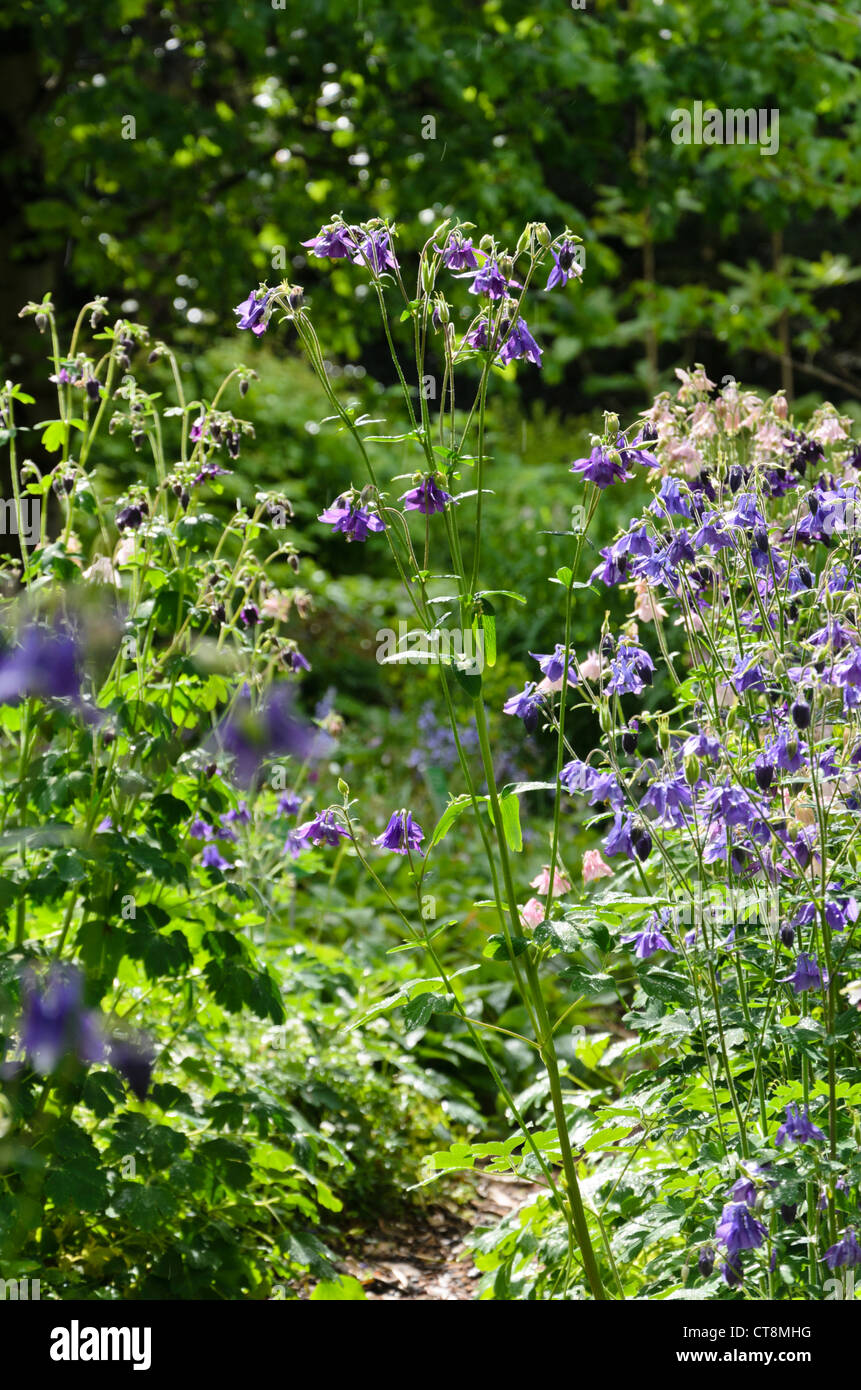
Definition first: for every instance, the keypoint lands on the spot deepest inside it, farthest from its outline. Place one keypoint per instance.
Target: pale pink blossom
(541, 882)
(693, 383)
(594, 867)
(647, 608)
(590, 669)
(703, 423)
(532, 914)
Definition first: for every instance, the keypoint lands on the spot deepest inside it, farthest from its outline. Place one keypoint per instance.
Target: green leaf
(509, 808)
(146, 1206)
(449, 816)
(419, 1011)
(78, 1183)
(344, 1288)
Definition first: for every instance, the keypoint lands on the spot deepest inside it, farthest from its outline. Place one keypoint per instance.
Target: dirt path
(424, 1258)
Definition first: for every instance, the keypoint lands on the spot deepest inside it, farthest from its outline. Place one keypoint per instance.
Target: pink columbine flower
(595, 867)
(532, 915)
(590, 669)
(541, 882)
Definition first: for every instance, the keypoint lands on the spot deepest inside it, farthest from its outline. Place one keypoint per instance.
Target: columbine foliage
(160, 1130)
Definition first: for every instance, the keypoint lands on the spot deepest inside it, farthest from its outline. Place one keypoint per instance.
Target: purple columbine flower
(525, 704)
(630, 670)
(603, 467)
(352, 519)
(846, 1252)
(44, 666)
(212, 858)
(322, 830)
(336, 243)
(200, 830)
(744, 1190)
(288, 804)
(797, 1126)
(671, 797)
(738, 1229)
(702, 745)
(252, 312)
(401, 834)
(478, 336)
(130, 518)
(565, 265)
(519, 342)
(650, 938)
(293, 846)
(806, 974)
(670, 500)
(459, 254)
(490, 281)
(732, 1273)
(296, 661)
(630, 453)
(376, 251)
(427, 498)
(578, 776)
(619, 840)
(552, 664)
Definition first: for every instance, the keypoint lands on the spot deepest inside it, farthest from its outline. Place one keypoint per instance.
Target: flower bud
(787, 935)
(706, 1261)
(800, 715)
(642, 842)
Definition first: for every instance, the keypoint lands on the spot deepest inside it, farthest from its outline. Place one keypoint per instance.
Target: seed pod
(692, 770)
(663, 736)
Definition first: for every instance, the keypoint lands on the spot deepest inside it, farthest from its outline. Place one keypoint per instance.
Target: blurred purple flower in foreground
(44, 665)
(251, 733)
